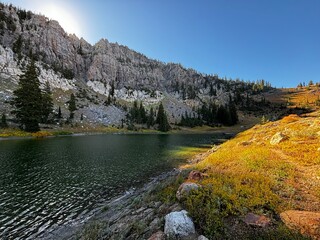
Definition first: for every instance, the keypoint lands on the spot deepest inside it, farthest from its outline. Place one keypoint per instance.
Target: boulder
(256, 220)
(178, 225)
(157, 236)
(308, 223)
(201, 237)
(185, 188)
(195, 175)
(278, 138)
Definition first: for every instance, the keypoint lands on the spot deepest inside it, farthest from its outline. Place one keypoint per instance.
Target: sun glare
(67, 19)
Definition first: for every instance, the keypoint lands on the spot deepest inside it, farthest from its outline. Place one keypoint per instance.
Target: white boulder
(178, 225)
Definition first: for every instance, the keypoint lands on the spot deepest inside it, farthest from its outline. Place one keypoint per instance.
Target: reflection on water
(52, 181)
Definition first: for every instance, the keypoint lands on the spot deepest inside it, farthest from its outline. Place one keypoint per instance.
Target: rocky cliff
(71, 64)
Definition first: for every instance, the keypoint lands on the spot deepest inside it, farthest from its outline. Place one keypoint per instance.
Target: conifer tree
(72, 105)
(27, 99)
(47, 104)
(150, 121)
(4, 123)
(162, 120)
(59, 113)
(142, 114)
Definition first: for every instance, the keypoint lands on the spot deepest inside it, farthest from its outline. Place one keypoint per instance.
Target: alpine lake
(53, 181)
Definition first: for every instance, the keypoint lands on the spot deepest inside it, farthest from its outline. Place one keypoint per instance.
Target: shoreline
(113, 211)
(226, 131)
(121, 213)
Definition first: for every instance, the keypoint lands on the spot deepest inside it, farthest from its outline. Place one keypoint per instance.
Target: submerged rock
(308, 223)
(185, 189)
(178, 225)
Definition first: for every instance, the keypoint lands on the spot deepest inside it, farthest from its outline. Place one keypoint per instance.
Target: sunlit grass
(247, 173)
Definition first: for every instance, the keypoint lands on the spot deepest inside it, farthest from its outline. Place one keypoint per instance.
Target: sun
(67, 19)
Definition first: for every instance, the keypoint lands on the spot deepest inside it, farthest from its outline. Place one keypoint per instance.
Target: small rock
(201, 237)
(157, 236)
(307, 223)
(155, 223)
(195, 176)
(278, 138)
(185, 189)
(178, 225)
(256, 220)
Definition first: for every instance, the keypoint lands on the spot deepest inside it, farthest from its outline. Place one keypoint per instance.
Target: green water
(50, 182)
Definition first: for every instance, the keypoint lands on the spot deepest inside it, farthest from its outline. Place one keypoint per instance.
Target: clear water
(49, 182)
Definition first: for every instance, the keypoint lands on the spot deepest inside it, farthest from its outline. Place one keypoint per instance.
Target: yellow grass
(253, 174)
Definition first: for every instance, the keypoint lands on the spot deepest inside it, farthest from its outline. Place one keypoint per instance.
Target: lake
(53, 181)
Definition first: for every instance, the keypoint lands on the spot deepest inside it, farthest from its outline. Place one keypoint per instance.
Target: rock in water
(185, 189)
(308, 223)
(179, 226)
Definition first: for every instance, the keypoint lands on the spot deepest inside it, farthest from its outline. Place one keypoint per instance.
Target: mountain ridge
(72, 64)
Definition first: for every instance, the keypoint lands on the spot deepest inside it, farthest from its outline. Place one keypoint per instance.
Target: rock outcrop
(308, 223)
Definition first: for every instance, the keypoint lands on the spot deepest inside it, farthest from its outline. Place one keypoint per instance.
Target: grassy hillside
(254, 173)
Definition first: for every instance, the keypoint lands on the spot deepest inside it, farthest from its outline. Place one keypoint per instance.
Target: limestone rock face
(71, 64)
(185, 189)
(179, 226)
(308, 223)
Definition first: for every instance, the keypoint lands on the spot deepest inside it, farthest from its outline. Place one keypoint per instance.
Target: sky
(275, 40)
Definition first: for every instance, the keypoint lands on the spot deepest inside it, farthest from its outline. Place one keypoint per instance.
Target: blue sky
(277, 40)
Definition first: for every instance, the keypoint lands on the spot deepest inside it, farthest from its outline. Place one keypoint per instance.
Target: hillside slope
(267, 169)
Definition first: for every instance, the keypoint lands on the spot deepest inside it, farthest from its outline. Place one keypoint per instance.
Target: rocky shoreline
(134, 215)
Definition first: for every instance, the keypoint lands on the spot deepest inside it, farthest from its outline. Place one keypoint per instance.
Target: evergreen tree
(142, 114)
(150, 121)
(59, 113)
(72, 105)
(4, 123)
(233, 113)
(111, 91)
(47, 104)
(27, 99)
(162, 120)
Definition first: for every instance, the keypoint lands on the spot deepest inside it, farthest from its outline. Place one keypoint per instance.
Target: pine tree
(27, 99)
(59, 113)
(142, 114)
(162, 120)
(47, 104)
(4, 123)
(72, 105)
(150, 121)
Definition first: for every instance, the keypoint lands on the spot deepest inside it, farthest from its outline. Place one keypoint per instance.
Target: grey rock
(185, 189)
(201, 237)
(179, 225)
